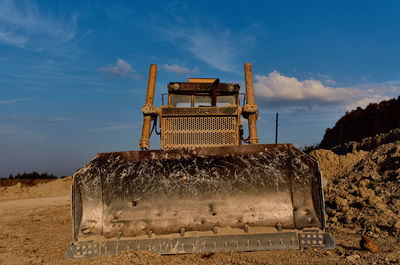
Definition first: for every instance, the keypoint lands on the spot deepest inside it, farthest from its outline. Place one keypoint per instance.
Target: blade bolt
(215, 230)
(279, 227)
(182, 232)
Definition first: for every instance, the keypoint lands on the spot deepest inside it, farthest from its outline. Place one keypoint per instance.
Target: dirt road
(38, 230)
(33, 231)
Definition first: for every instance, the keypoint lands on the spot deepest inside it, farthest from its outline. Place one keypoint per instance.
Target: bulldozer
(208, 189)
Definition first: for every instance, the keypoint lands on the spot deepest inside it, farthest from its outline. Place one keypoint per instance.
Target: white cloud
(22, 24)
(179, 69)
(277, 89)
(362, 103)
(121, 69)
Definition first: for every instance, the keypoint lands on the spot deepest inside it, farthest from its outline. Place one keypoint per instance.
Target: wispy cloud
(114, 128)
(179, 69)
(8, 117)
(277, 89)
(327, 79)
(25, 120)
(15, 100)
(207, 39)
(11, 38)
(53, 120)
(22, 24)
(214, 47)
(121, 69)
(8, 132)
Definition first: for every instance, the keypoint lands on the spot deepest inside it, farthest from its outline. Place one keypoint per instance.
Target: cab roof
(202, 85)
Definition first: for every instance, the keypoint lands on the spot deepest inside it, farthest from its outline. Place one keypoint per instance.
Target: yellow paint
(201, 80)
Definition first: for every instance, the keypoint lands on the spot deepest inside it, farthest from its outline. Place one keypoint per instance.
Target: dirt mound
(362, 123)
(332, 165)
(51, 188)
(362, 189)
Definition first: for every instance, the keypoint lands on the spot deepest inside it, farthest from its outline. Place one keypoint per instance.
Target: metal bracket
(88, 249)
(316, 239)
(249, 108)
(148, 109)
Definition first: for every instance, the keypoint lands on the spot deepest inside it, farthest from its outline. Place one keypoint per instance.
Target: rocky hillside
(358, 124)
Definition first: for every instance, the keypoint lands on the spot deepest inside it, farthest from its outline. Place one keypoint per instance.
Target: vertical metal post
(144, 141)
(214, 93)
(276, 128)
(248, 75)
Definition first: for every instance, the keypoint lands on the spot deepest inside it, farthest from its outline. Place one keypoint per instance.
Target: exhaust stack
(250, 109)
(149, 110)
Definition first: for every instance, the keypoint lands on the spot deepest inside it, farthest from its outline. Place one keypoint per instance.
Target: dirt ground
(37, 230)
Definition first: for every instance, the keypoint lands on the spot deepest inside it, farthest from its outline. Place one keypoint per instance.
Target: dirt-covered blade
(133, 193)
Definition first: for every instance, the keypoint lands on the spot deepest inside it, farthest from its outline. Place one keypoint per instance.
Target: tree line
(32, 175)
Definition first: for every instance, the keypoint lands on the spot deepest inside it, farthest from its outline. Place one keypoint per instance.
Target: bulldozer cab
(200, 113)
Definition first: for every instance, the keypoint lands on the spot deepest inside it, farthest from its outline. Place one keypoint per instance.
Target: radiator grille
(189, 132)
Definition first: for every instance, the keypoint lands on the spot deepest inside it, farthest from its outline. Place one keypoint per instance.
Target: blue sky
(73, 73)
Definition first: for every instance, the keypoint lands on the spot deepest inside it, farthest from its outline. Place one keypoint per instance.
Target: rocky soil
(362, 190)
(368, 143)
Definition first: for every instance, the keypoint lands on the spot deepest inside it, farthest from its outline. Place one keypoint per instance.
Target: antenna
(276, 128)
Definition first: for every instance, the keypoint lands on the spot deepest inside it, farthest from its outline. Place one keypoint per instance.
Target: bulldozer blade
(172, 201)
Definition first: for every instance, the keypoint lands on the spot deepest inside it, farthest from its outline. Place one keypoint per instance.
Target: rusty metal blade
(134, 193)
